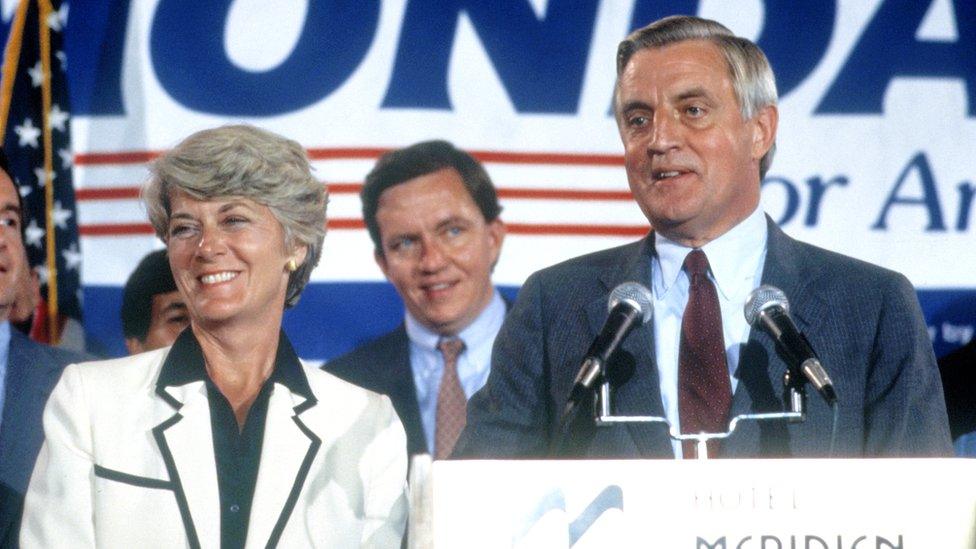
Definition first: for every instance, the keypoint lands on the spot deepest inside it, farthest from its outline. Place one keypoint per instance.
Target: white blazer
(127, 464)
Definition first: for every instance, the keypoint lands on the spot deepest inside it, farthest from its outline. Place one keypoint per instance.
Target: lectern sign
(719, 504)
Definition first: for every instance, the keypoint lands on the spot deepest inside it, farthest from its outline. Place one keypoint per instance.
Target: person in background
(696, 110)
(432, 213)
(958, 370)
(153, 311)
(28, 370)
(225, 437)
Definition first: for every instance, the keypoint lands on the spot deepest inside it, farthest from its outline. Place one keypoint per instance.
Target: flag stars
(27, 134)
(60, 215)
(67, 159)
(63, 59)
(24, 190)
(72, 257)
(33, 235)
(43, 275)
(36, 74)
(42, 176)
(57, 118)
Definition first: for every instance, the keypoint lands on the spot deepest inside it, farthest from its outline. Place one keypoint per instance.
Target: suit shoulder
(855, 272)
(353, 365)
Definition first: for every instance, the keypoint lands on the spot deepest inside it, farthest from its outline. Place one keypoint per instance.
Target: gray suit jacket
(32, 371)
(863, 320)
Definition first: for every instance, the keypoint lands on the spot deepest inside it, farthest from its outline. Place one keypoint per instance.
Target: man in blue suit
(28, 370)
(696, 111)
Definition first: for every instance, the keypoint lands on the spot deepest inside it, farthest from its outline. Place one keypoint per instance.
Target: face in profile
(438, 250)
(168, 317)
(13, 257)
(692, 160)
(229, 259)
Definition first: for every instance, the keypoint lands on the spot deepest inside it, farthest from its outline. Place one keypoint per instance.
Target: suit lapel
(641, 393)
(403, 391)
(761, 369)
(286, 456)
(186, 443)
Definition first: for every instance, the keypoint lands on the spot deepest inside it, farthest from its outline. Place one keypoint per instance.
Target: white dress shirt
(736, 259)
(473, 365)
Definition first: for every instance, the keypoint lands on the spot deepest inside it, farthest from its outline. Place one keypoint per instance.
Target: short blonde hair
(245, 161)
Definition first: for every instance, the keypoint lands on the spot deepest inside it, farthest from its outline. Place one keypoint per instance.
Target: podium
(715, 504)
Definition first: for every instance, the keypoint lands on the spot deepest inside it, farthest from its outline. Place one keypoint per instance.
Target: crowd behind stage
(213, 431)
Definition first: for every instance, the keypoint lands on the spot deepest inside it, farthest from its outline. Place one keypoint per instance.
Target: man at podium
(696, 111)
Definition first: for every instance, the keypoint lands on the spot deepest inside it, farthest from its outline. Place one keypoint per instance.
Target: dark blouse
(237, 452)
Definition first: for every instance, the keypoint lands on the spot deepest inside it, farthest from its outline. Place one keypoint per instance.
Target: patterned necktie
(451, 402)
(704, 389)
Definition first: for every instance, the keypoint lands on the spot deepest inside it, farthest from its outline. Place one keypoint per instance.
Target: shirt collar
(185, 364)
(732, 256)
(482, 328)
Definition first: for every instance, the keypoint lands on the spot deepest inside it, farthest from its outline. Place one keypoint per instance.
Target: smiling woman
(226, 436)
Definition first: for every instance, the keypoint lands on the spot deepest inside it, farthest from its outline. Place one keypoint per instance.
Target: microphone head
(763, 298)
(636, 295)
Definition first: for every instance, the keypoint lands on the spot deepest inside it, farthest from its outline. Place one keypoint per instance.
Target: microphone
(629, 303)
(768, 308)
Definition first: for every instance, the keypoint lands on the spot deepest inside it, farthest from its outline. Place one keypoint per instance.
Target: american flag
(35, 129)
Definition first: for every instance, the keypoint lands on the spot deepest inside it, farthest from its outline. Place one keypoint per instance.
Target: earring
(291, 266)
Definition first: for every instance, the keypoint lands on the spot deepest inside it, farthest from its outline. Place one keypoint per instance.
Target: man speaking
(696, 111)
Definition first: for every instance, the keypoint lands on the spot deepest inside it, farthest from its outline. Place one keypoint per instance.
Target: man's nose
(433, 256)
(665, 133)
(211, 242)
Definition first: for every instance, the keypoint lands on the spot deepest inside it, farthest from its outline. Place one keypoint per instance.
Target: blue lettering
(792, 198)
(888, 49)
(187, 50)
(539, 62)
(929, 198)
(966, 194)
(795, 36)
(817, 189)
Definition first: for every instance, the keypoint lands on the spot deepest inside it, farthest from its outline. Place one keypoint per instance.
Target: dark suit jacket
(383, 366)
(32, 371)
(958, 370)
(864, 321)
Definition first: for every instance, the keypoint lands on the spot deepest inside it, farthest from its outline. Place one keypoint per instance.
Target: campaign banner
(874, 152)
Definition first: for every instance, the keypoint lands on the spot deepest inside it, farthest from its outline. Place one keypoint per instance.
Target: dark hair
(402, 165)
(151, 277)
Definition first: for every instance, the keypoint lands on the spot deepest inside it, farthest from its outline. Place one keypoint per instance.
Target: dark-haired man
(696, 110)
(153, 311)
(28, 370)
(432, 213)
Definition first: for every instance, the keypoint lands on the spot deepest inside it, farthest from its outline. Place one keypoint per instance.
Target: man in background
(28, 370)
(432, 213)
(153, 312)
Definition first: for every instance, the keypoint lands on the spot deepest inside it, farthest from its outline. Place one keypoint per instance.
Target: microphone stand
(603, 416)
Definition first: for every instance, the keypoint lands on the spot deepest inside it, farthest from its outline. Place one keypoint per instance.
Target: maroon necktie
(704, 389)
(451, 403)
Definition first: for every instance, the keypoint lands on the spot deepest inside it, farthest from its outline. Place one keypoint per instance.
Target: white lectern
(726, 504)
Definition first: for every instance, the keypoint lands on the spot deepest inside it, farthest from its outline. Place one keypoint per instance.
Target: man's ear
(496, 235)
(764, 131)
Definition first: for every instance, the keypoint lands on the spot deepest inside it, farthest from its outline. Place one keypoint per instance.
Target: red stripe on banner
(129, 193)
(130, 229)
(502, 157)
(117, 193)
(116, 158)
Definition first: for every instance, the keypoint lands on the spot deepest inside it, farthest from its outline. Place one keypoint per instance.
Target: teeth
(217, 277)
(441, 286)
(664, 175)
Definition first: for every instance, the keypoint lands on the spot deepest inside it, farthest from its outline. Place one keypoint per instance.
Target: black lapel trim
(174, 478)
(135, 480)
(296, 488)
